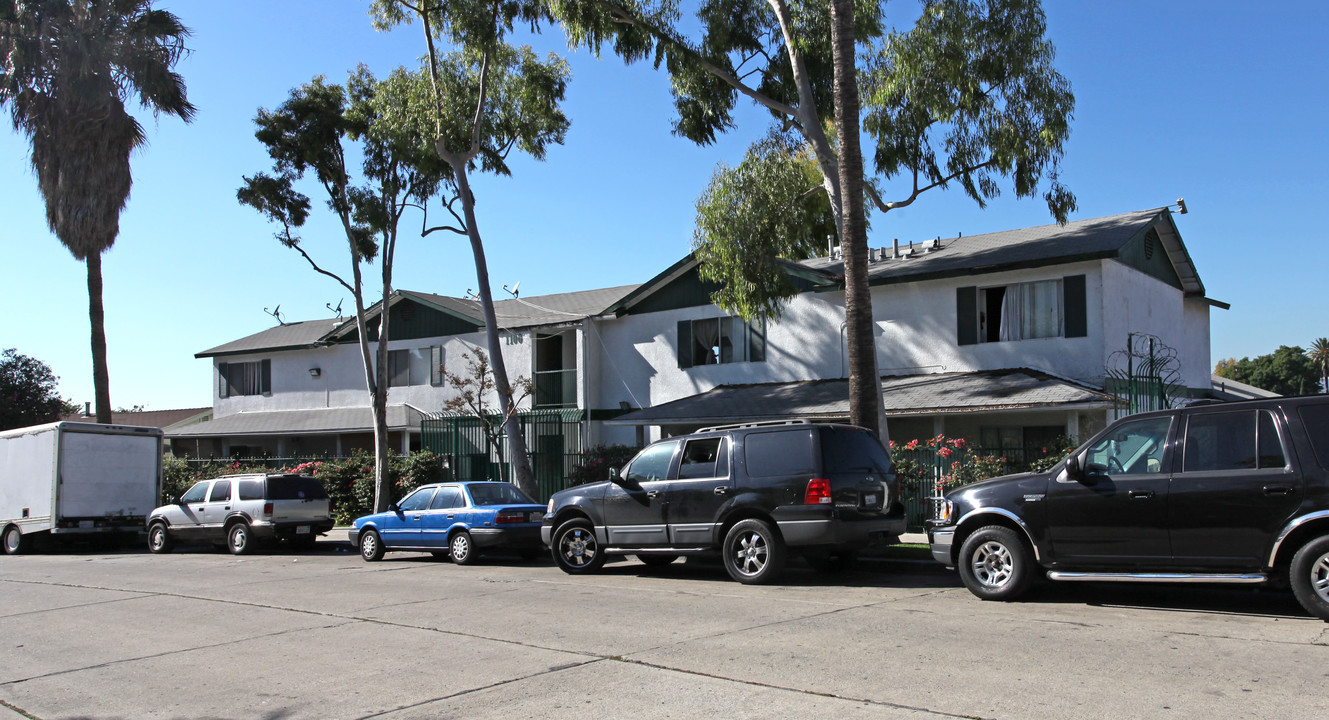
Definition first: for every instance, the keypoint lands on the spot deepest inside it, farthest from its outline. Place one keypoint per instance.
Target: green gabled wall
(1145, 253)
(410, 321)
(689, 290)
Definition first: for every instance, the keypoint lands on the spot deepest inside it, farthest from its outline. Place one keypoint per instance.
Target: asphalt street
(202, 634)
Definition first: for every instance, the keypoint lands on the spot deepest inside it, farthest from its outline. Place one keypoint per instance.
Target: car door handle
(1141, 494)
(451, 517)
(1277, 490)
(652, 493)
(722, 490)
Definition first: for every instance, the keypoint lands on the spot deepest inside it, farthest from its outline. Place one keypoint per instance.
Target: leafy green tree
(488, 98)
(968, 96)
(66, 69)
(28, 392)
(308, 134)
(1286, 371)
(1319, 354)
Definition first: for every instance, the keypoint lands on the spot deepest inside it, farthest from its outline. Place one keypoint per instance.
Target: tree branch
(318, 269)
(889, 206)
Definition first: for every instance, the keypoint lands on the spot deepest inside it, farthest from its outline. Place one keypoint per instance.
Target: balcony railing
(556, 388)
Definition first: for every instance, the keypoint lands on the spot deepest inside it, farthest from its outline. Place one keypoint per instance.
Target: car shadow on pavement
(1261, 601)
(866, 573)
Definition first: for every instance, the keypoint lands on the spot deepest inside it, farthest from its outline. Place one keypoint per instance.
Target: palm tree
(66, 69)
(1319, 353)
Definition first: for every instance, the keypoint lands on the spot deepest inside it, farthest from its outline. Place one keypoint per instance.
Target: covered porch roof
(905, 395)
(320, 421)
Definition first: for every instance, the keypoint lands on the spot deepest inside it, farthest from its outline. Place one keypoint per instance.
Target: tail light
(818, 492)
(267, 510)
(509, 516)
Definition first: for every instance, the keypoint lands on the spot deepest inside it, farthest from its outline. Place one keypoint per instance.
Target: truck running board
(1228, 578)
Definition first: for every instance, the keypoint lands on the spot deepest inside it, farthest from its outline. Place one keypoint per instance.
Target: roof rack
(763, 423)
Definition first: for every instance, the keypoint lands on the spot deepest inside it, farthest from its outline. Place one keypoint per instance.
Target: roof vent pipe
(830, 246)
(897, 247)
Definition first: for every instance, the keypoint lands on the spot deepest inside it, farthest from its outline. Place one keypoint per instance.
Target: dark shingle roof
(556, 309)
(301, 422)
(941, 393)
(147, 418)
(1046, 244)
(283, 337)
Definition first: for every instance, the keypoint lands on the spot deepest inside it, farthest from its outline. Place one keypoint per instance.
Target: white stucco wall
(1140, 304)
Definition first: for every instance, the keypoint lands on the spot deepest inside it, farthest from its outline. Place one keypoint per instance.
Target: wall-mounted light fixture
(315, 372)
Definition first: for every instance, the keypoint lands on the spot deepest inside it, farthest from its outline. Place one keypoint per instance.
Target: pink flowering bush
(596, 462)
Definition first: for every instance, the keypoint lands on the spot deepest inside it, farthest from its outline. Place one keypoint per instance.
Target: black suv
(748, 491)
(1212, 493)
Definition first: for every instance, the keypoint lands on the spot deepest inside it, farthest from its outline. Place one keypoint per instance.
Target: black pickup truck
(1211, 493)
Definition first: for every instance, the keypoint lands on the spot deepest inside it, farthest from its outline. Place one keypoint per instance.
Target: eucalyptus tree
(309, 133)
(488, 98)
(967, 96)
(67, 67)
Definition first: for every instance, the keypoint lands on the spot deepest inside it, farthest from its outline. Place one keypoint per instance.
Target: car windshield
(499, 493)
(295, 488)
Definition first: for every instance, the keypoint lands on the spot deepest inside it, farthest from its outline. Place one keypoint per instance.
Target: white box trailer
(73, 479)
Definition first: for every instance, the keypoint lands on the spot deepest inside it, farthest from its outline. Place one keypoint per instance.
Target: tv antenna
(336, 309)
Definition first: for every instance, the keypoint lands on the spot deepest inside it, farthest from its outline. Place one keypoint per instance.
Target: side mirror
(394, 507)
(613, 475)
(1073, 469)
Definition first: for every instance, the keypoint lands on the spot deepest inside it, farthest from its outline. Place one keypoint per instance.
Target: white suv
(242, 510)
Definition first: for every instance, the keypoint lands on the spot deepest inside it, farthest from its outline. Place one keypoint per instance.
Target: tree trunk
(379, 389)
(101, 378)
(864, 385)
(521, 463)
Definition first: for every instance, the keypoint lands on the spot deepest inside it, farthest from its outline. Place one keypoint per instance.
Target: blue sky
(1220, 102)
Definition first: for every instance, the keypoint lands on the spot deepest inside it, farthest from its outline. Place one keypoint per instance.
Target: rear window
(295, 488)
(497, 494)
(1315, 418)
(784, 452)
(849, 450)
(251, 489)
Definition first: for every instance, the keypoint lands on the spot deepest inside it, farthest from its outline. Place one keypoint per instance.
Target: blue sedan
(454, 519)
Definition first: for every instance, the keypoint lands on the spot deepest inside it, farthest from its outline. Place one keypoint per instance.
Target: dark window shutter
(265, 377)
(757, 340)
(436, 365)
(1077, 315)
(222, 385)
(685, 343)
(966, 315)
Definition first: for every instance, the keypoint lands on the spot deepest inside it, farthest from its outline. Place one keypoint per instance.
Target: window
(1132, 448)
(447, 497)
(418, 500)
(652, 464)
(399, 368)
(436, 365)
(846, 450)
(1022, 311)
(1316, 420)
(244, 378)
(196, 493)
(1239, 440)
(497, 494)
(295, 488)
(704, 459)
(786, 452)
(718, 341)
(250, 489)
(221, 491)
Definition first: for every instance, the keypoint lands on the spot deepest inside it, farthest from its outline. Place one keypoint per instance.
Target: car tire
(371, 546)
(15, 542)
(657, 560)
(239, 540)
(575, 548)
(753, 552)
(462, 548)
(1309, 576)
(995, 564)
(159, 539)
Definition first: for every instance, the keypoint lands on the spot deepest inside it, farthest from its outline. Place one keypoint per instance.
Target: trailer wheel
(15, 542)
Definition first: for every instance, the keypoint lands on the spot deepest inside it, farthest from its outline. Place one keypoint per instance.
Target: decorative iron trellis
(553, 439)
(1145, 376)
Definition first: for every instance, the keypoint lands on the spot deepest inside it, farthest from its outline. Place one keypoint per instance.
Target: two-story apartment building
(1004, 338)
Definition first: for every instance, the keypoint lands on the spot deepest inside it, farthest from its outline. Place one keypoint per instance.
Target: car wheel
(753, 552)
(575, 548)
(462, 549)
(239, 540)
(16, 543)
(371, 546)
(994, 564)
(656, 560)
(159, 539)
(1310, 577)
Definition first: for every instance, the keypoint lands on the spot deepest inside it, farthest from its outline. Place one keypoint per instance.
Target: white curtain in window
(706, 334)
(1012, 310)
(1041, 309)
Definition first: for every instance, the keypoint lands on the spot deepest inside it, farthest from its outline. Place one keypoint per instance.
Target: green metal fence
(553, 444)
